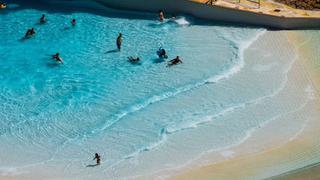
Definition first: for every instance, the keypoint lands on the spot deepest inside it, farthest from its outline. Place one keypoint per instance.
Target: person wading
(119, 41)
(97, 158)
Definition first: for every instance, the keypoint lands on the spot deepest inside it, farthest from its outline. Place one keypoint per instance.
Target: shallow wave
(215, 79)
(242, 46)
(171, 129)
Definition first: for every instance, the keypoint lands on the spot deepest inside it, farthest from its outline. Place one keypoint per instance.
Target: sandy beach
(245, 103)
(269, 151)
(269, 148)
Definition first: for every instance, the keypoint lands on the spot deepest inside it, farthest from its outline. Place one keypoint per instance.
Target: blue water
(99, 102)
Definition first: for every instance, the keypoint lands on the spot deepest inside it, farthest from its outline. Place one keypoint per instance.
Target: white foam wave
(194, 124)
(163, 138)
(132, 156)
(242, 46)
(182, 21)
(215, 79)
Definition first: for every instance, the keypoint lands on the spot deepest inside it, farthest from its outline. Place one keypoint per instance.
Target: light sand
(266, 7)
(245, 162)
(246, 165)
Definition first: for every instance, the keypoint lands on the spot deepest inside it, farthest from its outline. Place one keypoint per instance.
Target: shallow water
(99, 102)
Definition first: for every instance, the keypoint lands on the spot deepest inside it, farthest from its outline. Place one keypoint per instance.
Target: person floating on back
(30, 33)
(43, 19)
(161, 16)
(175, 61)
(57, 57)
(119, 41)
(162, 53)
(73, 22)
(97, 158)
(133, 60)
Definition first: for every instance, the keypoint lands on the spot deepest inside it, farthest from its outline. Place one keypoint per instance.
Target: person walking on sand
(97, 158)
(119, 41)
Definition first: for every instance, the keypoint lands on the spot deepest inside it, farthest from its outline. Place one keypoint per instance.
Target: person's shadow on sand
(92, 165)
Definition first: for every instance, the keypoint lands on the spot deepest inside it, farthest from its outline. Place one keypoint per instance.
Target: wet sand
(267, 153)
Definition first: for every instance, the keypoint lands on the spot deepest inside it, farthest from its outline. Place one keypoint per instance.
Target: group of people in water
(161, 52)
(31, 32)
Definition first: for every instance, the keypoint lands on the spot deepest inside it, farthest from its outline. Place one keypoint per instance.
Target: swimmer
(162, 53)
(175, 61)
(73, 22)
(43, 19)
(30, 33)
(97, 158)
(119, 41)
(161, 16)
(132, 59)
(57, 57)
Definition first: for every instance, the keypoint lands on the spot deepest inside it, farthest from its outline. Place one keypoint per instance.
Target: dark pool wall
(215, 13)
(204, 11)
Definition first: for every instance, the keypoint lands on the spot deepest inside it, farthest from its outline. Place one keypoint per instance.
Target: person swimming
(74, 22)
(30, 33)
(175, 61)
(57, 57)
(161, 16)
(133, 60)
(119, 41)
(43, 19)
(162, 53)
(97, 158)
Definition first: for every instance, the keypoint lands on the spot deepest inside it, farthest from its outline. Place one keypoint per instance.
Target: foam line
(157, 98)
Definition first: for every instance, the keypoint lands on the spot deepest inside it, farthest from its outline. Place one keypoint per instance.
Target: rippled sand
(272, 150)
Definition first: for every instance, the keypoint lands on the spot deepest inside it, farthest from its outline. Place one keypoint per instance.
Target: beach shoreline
(246, 165)
(261, 150)
(252, 158)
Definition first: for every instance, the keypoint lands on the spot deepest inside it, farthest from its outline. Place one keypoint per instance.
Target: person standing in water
(161, 15)
(43, 19)
(119, 41)
(74, 22)
(97, 158)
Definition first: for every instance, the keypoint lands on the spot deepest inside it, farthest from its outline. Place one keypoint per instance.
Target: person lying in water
(161, 16)
(57, 57)
(97, 158)
(43, 19)
(30, 33)
(132, 59)
(162, 53)
(175, 61)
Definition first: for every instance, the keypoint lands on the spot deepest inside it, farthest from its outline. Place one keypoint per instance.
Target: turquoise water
(99, 102)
